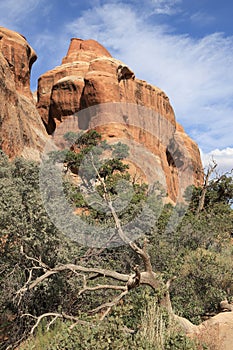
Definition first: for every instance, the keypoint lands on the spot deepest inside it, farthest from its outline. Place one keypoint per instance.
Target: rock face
(217, 332)
(91, 89)
(21, 129)
(89, 77)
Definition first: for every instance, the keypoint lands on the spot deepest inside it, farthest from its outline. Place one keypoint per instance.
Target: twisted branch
(130, 281)
(74, 268)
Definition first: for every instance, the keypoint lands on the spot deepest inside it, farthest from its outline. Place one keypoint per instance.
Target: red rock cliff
(21, 129)
(89, 76)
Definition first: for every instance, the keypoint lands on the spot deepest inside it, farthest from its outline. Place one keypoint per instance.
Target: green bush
(155, 331)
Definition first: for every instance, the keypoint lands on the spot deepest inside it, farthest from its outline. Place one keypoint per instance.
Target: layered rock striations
(21, 129)
(91, 89)
(89, 76)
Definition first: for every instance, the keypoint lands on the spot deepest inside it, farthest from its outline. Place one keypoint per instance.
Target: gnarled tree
(41, 274)
(83, 158)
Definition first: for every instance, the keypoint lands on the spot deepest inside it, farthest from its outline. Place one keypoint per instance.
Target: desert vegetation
(140, 286)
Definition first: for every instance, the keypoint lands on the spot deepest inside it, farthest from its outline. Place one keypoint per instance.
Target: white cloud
(13, 13)
(223, 158)
(197, 74)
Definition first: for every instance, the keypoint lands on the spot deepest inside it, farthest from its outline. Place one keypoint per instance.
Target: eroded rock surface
(21, 129)
(89, 76)
(217, 332)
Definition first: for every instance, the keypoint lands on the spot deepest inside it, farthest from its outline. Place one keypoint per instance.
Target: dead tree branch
(54, 316)
(100, 287)
(126, 281)
(201, 203)
(110, 304)
(74, 268)
(141, 252)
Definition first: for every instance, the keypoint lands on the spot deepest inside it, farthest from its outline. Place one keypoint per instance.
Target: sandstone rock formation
(21, 129)
(92, 89)
(121, 107)
(217, 332)
(89, 77)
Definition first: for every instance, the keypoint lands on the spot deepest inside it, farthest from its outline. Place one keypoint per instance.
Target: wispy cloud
(146, 7)
(13, 13)
(202, 19)
(197, 74)
(165, 7)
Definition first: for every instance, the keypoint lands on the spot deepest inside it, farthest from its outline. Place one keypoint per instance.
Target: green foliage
(179, 341)
(197, 250)
(107, 335)
(24, 223)
(219, 191)
(90, 138)
(110, 166)
(155, 331)
(203, 281)
(120, 151)
(86, 157)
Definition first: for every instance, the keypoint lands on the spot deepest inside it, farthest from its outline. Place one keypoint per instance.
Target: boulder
(216, 333)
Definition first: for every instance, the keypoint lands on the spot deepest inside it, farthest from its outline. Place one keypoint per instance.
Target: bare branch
(49, 314)
(101, 286)
(141, 252)
(205, 187)
(51, 322)
(134, 280)
(20, 294)
(37, 261)
(99, 177)
(105, 313)
(110, 304)
(74, 268)
(54, 316)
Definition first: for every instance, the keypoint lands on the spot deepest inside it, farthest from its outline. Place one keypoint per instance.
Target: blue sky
(184, 47)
